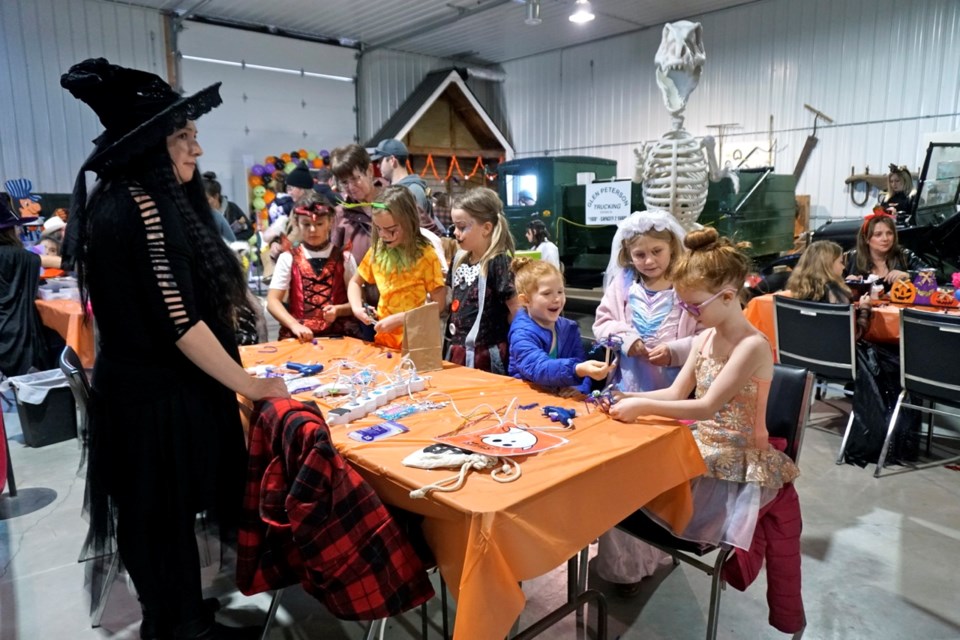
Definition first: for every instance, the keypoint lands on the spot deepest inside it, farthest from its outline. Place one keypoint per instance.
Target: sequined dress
(743, 472)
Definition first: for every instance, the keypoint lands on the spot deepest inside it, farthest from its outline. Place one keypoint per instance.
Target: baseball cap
(390, 147)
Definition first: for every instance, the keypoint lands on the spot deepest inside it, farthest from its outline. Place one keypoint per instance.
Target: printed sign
(607, 202)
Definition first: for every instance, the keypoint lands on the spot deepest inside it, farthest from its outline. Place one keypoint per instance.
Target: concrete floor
(879, 561)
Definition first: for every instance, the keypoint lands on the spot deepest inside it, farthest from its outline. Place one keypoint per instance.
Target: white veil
(636, 223)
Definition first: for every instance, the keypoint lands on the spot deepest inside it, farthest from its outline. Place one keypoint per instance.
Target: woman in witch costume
(165, 436)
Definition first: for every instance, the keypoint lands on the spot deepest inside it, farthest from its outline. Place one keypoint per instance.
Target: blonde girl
(484, 299)
(401, 262)
(545, 348)
(639, 304)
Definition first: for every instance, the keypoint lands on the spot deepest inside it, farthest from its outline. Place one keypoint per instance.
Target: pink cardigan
(613, 318)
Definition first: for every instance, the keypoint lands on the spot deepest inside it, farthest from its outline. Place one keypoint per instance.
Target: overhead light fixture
(533, 13)
(582, 13)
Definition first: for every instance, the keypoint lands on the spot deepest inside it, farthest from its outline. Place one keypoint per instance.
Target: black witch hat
(137, 109)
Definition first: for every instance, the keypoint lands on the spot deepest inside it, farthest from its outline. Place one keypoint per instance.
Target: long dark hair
(893, 258)
(226, 291)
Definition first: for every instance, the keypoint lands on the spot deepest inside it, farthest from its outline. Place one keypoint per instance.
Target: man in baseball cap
(392, 156)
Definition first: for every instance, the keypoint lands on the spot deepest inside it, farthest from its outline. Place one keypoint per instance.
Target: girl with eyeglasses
(401, 262)
(729, 369)
(484, 299)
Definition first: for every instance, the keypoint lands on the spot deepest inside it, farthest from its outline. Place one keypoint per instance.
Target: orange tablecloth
(488, 536)
(884, 321)
(66, 318)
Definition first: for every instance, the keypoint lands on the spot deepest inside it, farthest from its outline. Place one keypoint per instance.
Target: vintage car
(933, 226)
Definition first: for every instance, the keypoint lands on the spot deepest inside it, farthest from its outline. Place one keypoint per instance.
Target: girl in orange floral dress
(401, 262)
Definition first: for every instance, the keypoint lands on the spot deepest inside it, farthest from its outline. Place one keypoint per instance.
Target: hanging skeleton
(674, 170)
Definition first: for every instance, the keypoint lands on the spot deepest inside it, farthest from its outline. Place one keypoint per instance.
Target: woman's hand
(865, 301)
(637, 349)
(260, 388)
(894, 275)
(628, 409)
(593, 369)
(389, 323)
(659, 355)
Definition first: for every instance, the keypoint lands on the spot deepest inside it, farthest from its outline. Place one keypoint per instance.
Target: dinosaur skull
(679, 62)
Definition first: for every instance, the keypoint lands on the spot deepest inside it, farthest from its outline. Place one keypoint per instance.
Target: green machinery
(762, 212)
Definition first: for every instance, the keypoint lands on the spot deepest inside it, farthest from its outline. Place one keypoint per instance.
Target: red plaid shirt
(309, 517)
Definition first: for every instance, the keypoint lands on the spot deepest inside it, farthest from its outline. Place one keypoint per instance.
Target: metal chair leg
(716, 584)
(886, 441)
(443, 613)
(846, 437)
(372, 629)
(555, 616)
(112, 569)
(582, 576)
(271, 614)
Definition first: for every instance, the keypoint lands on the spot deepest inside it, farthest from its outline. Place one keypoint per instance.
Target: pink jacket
(614, 318)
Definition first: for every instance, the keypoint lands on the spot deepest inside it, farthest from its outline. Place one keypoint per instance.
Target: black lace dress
(162, 432)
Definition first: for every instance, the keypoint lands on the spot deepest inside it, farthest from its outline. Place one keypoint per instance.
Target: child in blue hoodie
(544, 348)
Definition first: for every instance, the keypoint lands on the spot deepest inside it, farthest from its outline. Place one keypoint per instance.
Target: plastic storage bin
(46, 407)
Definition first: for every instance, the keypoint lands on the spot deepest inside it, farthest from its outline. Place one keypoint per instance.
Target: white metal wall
(45, 133)
(266, 112)
(387, 78)
(886, 71)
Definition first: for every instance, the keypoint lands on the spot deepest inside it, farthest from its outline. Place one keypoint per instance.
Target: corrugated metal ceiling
(490, 31)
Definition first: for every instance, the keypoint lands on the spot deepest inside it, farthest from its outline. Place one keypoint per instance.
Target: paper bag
(422, 337)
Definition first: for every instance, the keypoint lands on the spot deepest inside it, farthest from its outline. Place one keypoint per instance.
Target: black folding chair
(72, 368)
(788, 411)
(930, 380)
(819, 337)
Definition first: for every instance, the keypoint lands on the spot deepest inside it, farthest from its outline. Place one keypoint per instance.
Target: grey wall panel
(45, 133)
(387, 78)
(885, 74)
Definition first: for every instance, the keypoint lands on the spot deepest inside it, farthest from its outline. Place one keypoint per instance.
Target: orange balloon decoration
(269, 197)
(286, 158)
(270, 160)
(255, 181)
(318, 163)
(302, 153)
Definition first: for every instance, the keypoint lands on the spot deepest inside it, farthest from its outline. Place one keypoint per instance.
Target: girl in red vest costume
(315, 275)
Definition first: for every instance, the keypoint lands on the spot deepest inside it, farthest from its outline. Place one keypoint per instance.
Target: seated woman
(879, 253)
(896, 199)
(818, 277)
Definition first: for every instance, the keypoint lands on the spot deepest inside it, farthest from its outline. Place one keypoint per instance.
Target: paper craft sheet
(504, 440)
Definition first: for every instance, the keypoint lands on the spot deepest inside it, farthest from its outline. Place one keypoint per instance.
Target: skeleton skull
(679, 62)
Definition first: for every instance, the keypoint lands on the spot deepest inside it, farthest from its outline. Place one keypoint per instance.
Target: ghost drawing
(512, 438)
